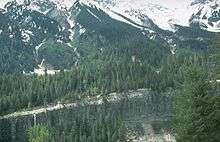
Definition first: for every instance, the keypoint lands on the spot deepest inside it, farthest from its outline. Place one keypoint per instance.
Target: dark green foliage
(18, 51)
(57, 55)
(104, 66)
(39, 133)
(197, 109)
(110, 122)
(111, 56)
(197, 100)
(122, 66)
(107, 128)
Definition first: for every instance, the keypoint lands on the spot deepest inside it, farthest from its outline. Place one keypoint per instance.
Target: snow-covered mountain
(164, 13)
(49, 29)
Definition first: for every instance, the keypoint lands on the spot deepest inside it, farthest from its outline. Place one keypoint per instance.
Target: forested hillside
(189, 74)
(197, 101)
(168, 82)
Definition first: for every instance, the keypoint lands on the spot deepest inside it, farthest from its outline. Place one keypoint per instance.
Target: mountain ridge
(49, 31)
(165, 14)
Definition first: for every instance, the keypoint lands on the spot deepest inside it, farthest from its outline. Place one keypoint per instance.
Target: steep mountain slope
(22, 31)
(54, 31)
(166, 13)
(32, 31)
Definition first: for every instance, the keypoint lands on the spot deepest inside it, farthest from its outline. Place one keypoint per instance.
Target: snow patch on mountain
(94, 15)
(208, 16)
(141, 13)
(164, 13)
(39, 46)
(63, 4)
(3, 3)
(26, 35)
